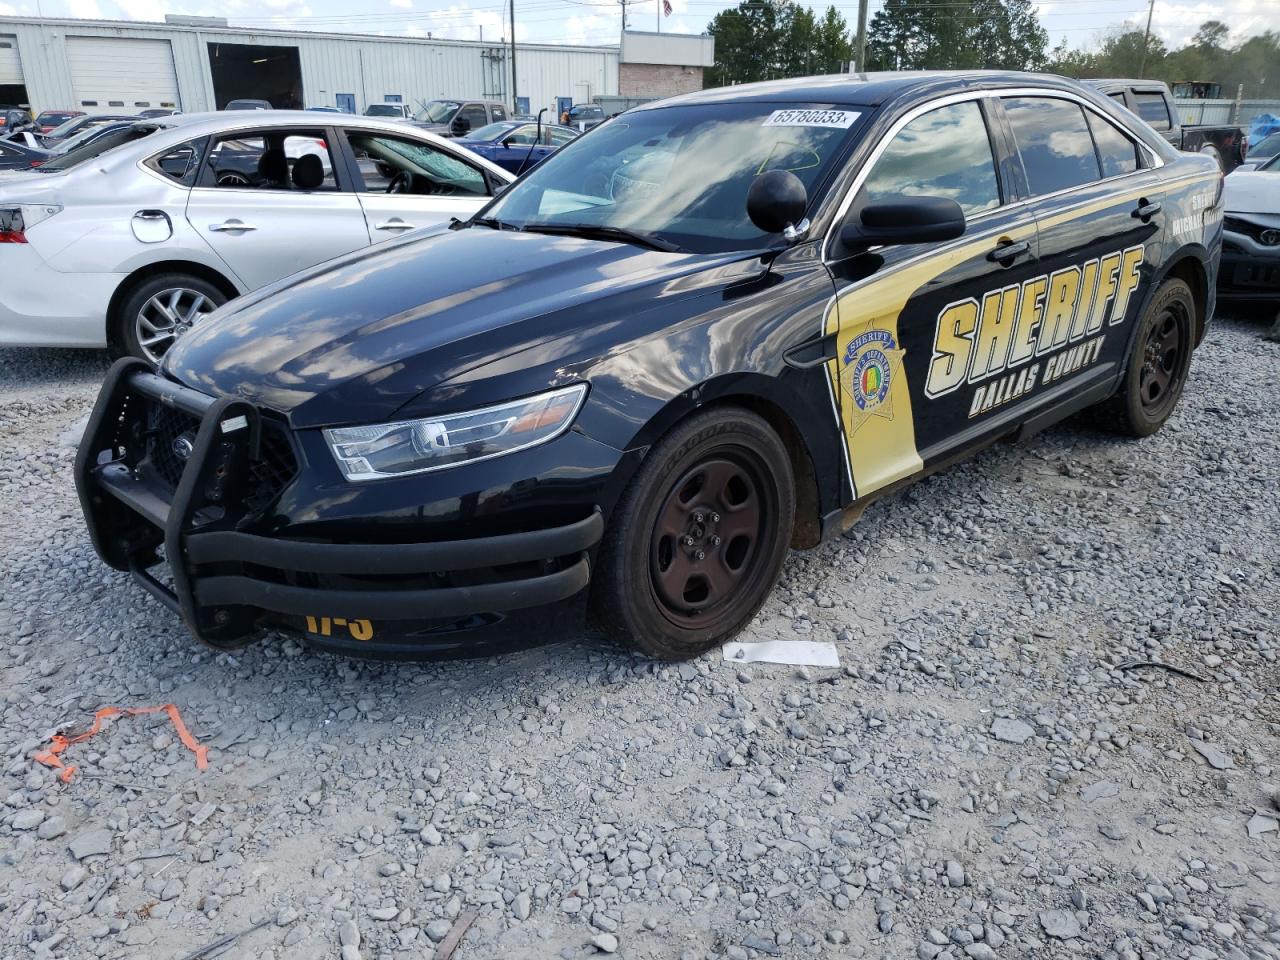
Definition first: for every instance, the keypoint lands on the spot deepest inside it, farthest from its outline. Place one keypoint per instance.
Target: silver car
(129, 240)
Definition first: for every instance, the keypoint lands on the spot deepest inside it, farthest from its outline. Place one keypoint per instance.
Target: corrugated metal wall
(369, 67)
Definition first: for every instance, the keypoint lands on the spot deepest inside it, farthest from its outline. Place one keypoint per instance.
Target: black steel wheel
(697, 541)
(1158, 366)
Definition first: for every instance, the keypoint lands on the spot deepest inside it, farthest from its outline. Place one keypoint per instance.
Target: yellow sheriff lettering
(1030, 311)
(995, 332)
(1107, 269)
(1130, 261)
(952, 342)
(1088, 284)
(1059, 309)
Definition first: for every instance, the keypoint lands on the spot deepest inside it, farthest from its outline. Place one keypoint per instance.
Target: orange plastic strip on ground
(50, 757)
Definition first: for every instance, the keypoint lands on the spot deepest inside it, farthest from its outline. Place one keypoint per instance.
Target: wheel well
(143, 274)
(1190, 271)
(807, 529)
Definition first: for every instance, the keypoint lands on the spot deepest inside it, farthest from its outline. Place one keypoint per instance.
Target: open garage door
(12, 87)
(243, 71)
(121, 75)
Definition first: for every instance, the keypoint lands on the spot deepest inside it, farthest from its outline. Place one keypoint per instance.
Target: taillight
(36, 163)
(15, 221)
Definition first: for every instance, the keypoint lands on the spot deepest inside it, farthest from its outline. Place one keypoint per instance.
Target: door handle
(1008, 251)
(1146, 209)
(395, 223)
(231, 226)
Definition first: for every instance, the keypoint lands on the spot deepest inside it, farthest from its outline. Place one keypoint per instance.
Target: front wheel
(698, 539)
(158, 311)
(1158, 367)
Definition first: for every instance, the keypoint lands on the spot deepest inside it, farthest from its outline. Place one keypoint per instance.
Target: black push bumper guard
(226, 582)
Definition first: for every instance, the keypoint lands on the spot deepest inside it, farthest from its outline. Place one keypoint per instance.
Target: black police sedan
(712, 329)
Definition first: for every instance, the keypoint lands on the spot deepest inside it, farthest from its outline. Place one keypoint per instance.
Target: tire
(159, 310)
(1157, 370)
(698, 539)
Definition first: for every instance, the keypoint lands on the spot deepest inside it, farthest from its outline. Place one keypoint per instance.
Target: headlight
(417, 446)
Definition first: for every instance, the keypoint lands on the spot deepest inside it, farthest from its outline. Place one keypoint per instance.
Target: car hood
(354, 340)
(1252, 193)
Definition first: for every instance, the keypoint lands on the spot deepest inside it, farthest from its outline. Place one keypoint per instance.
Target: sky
(1079, 22)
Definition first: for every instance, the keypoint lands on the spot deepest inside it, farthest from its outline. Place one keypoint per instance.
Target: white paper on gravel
(801, 653)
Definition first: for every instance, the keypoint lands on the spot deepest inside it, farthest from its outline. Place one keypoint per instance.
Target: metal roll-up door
(10, 62)
(121, 75)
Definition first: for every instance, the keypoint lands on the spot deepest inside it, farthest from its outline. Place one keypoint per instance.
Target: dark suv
(584, 116)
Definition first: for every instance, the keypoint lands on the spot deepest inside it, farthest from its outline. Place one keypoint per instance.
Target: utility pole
(862, 36)
(1146, 41)
(513, 54)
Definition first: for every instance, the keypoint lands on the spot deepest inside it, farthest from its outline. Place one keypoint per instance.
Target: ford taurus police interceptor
(713, 328)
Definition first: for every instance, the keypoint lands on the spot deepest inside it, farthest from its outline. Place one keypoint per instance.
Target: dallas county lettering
(1018, 324)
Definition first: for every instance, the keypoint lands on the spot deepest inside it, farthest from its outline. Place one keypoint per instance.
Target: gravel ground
(992, 773)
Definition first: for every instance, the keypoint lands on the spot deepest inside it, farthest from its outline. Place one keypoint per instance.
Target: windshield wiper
(493, 222)
(602, 232)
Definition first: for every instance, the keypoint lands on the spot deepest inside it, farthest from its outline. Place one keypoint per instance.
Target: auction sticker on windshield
(840, 119)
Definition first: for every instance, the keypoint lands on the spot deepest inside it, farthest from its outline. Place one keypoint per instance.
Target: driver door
(407, 184)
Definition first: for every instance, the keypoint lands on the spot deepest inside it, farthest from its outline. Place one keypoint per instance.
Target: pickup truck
(1152, 101)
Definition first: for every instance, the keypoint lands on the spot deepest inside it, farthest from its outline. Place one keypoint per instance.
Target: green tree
(771, 39)
(950, 35)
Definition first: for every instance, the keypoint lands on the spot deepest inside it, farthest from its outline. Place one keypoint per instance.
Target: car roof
(869, 89)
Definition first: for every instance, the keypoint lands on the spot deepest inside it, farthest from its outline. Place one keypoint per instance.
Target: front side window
(472, 117)
(1118, 154)
(395, 165)
(681, 173)
(272, 160)
(1152, 108)
(499, 113)
(1053, 138)
(943, 153)
(558, 138)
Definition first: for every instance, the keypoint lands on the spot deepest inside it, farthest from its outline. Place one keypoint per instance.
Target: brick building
(662, 64)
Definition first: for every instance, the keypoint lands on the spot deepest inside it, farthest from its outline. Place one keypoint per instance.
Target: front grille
(273, 469)
(165, 427)
(1267, 236)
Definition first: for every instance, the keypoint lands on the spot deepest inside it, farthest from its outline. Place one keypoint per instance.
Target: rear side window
(272, 160)
(1152, 108)
(498, 112)
(1053, 138)
(1117, 153)
(181, 163)
(943, 153)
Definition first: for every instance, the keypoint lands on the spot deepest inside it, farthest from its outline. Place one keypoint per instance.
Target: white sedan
(129, 240)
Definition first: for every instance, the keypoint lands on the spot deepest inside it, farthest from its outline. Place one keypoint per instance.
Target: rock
(1112, 831)
(1259, 824)
(1060, 924)
(349, 934)
(1010, 730)
(605, 942)
(73, 878)
(979, 951)
(955, 874)
(90, 843)
(1212, 755)
(383, 913)
(1102, 790)
(53, 826)
(437, 930)
(522, 906)
(27, 819)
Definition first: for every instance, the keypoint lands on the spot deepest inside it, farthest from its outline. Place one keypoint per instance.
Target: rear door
(406, 184)
(265, 215)
(923, 330)
(1098, 207)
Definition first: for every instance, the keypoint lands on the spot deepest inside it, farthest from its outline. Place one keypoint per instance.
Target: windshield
(384, 110)
(1266, 147)
(438, 111)
(681, 173)
(492, 132)
(108, 141)
(53, 119)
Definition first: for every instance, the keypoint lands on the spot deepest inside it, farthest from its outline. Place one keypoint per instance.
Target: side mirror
(907, 220)
(777, 200)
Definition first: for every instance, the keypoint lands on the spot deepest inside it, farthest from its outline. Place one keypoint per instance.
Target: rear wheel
(697, 541)
(1158, 368)
(160, 310)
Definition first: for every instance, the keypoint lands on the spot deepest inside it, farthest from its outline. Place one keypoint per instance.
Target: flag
(666, 8)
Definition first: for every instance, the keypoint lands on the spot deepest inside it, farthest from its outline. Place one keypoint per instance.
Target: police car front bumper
(209, 520)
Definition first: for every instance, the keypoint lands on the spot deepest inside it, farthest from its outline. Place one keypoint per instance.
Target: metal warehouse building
(194, 64)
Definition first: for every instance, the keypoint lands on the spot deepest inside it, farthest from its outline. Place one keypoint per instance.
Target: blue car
(507, 143)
